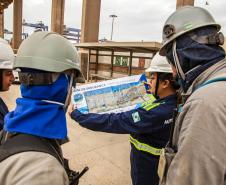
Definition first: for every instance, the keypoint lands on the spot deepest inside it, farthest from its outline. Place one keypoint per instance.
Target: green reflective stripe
(150, 96)
(147, 103)
(188, 26)
(220, 79)
(149, 99)
(144, 147)
(151, 106)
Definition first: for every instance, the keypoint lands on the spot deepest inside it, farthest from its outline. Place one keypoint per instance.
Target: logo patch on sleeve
(136, 117)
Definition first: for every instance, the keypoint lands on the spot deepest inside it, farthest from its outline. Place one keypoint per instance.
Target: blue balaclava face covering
(40, 111)
(194, 58)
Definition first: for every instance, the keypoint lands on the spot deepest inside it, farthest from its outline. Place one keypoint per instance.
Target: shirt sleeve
(135, 121)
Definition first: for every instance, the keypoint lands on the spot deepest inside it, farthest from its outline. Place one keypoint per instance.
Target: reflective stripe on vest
(150, 99)
(150, 106)
(144, 147)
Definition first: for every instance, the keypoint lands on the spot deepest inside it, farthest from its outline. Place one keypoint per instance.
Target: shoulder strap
(220, 79)
(24, 142)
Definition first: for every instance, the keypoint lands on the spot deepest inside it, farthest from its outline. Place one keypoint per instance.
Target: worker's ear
(165, 84)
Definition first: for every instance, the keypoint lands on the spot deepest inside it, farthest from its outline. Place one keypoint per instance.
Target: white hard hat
(159, 64)
(6, 55)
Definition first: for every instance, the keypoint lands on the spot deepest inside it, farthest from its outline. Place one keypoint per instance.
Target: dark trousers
(143, 168)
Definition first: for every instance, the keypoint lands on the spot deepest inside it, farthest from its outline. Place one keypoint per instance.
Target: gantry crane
(72, 34)
(40, 26)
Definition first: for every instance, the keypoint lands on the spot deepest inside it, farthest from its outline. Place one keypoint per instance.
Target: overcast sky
(137, 19)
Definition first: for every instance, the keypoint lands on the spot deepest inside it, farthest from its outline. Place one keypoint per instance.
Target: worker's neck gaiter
(37, 117)
(194, 57)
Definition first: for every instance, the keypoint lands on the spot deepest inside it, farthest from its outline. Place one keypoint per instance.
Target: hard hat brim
(44, 63)
(154, 70)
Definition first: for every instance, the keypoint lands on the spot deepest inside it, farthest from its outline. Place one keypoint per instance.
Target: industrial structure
(3, 5)
(89, 28)
(90, 18)
(37, 26)
(107, 60)
(73, 34)
(181, 3)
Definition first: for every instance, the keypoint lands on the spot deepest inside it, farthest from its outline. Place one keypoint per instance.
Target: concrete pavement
(106, 155)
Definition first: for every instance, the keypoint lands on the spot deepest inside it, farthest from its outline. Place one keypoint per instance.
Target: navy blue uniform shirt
(3, 111)
(148, 124)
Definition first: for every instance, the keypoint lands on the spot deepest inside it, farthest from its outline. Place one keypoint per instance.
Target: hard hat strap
(66, 104)
(157, 85)
(177, 62)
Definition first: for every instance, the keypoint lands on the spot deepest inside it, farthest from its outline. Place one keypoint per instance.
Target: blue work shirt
(147, 124)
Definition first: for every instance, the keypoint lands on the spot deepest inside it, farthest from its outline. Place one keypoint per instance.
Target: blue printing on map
(138, 105)
(111, 89)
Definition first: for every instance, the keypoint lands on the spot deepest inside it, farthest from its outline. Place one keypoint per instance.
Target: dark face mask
(192, 54)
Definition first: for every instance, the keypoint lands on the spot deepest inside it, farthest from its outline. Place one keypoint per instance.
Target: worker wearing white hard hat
(159, 64)
(160, 70)
(6, 74)
(148, 125)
